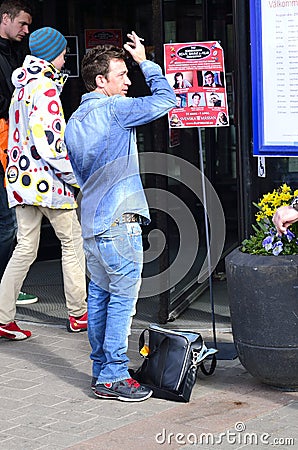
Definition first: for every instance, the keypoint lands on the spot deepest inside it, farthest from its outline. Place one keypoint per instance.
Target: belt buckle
(130, 217)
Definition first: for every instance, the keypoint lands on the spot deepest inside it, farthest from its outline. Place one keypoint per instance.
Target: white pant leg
(68, 230)
(28, 236)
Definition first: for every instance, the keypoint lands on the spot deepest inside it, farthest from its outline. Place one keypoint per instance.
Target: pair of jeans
(114, 262)
(8, 226)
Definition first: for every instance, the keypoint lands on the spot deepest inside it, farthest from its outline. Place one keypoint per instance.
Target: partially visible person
(40, 181)
(222, 119)
(285, 216)
(209, 79)
(180, 82)
(15, 19)
(175, 121)
(101, 140)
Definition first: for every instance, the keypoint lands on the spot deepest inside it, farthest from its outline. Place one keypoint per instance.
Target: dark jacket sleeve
(5, 97)
(11, 57)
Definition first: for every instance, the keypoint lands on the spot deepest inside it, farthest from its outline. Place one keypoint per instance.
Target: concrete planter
(263, 296)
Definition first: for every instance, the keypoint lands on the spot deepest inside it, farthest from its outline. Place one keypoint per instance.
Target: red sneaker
(76, 324)
(12, 331)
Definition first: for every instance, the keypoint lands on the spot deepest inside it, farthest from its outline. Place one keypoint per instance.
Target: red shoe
(13, 332)
(77, 324)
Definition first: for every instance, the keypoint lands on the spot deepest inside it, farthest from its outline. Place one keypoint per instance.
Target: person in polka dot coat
(40, 180)
(39, 171)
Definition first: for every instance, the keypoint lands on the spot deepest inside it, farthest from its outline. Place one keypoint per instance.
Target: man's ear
(100, 81)
(5, 18)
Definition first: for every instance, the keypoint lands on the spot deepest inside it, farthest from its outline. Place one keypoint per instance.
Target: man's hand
(284, 217)
(135, 48)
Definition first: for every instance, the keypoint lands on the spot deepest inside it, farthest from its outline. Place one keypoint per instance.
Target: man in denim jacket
(101, 141)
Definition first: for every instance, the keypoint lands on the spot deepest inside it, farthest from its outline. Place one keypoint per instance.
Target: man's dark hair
(13, 7)
(97, 62)
(196, 94)
(208, 73)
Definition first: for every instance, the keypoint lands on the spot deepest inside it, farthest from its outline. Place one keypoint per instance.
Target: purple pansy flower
(277, 248)
(267, 243)
(290, 235)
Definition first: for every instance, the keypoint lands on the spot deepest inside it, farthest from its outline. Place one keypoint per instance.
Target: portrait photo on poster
(181, 100)
(210, 78)
(196, 99)
(215, 99)
(222, 119)
(181, 80)
(175, 121)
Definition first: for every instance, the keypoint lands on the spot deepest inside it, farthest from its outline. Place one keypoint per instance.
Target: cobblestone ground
(46, 402)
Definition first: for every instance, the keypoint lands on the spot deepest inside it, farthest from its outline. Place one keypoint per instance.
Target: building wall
(227, 153)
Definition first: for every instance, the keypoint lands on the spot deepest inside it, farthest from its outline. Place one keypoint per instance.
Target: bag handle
(142, 340)
(212, 367)
(198, 356)
(162, 348)
(164, 341)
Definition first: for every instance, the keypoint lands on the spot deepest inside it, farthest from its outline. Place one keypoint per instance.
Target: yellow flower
(273, 200)
(285, 188)
(266, 208)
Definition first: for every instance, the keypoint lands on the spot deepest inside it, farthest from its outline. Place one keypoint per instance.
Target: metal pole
(207, 237)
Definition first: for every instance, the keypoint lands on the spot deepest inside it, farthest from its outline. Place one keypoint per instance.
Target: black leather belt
(128, 218)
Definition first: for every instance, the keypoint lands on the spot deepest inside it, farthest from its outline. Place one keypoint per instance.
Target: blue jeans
(114, 262)
(8, 226)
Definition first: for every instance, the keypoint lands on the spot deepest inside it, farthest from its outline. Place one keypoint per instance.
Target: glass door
(189, 22)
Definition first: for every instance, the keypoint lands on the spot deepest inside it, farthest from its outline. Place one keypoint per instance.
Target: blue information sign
(274, 68)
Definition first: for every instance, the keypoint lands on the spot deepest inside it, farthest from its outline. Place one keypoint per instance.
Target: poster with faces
(196, 72)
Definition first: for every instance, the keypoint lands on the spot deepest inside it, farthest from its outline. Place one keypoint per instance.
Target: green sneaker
(26, 299)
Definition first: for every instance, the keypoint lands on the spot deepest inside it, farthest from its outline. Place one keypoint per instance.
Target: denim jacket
(101, 141)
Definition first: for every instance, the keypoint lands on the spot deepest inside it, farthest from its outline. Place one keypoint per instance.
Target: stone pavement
(46, 403)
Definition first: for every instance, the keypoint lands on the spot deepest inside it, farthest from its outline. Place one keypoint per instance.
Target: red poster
(102, 36)
(196, 72)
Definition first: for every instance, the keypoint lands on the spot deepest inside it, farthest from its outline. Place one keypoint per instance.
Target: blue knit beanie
(47, 43)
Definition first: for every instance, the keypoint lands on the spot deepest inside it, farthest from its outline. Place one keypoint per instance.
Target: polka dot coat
(39, 171)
